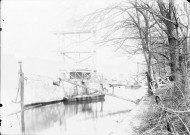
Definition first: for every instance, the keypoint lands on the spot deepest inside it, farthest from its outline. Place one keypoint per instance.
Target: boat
(78, 74)
(136, 86)
(81, 98)
(77, 86)
(75, 82)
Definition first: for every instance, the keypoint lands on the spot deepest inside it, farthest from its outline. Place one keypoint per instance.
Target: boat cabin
(79, 74)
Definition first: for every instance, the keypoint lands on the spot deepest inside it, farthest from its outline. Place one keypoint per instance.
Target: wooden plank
(43, 103)
(33, 105)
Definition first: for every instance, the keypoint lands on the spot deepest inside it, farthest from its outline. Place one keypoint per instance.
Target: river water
(70, 119)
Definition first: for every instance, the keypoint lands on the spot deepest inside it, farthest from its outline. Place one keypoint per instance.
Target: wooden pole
(76, 88)
(102, 87)
(101, 107)
(112, 89)
(21, 85)
(94, 54)
(22, 123)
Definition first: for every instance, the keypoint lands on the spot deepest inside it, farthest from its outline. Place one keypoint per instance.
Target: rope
(92, 89)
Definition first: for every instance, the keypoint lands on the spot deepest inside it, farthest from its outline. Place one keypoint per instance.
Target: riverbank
(133, 122)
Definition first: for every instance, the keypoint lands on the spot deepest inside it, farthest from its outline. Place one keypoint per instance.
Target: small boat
(136, 86)
(77, 85)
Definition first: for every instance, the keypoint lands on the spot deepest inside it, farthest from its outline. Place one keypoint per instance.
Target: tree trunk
(149, 81)
(172, 35)
(188, 49)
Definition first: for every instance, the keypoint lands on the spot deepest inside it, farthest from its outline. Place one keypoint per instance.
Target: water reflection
(42, 118)
(72, 118)
(22, 123)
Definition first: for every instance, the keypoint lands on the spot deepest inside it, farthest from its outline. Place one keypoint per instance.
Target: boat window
(86, 76)
(80, 75)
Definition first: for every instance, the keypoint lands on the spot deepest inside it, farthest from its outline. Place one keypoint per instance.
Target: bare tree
(171, 22)
(161, 32)
(158, 30)
(130, 22)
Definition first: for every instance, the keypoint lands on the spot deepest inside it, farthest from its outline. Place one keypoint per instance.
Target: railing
(160, 82)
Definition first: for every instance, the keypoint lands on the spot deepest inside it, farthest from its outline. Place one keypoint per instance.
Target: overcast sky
(28, 27)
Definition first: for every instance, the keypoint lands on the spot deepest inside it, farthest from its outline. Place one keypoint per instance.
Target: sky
(29, 26)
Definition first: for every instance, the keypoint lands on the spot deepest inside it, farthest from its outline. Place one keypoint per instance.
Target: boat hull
(82, 98)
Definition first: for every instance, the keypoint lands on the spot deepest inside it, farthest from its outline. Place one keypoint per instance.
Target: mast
(94, 50)
(69, 54)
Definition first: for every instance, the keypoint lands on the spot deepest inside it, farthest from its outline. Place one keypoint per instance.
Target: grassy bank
(170, 115)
